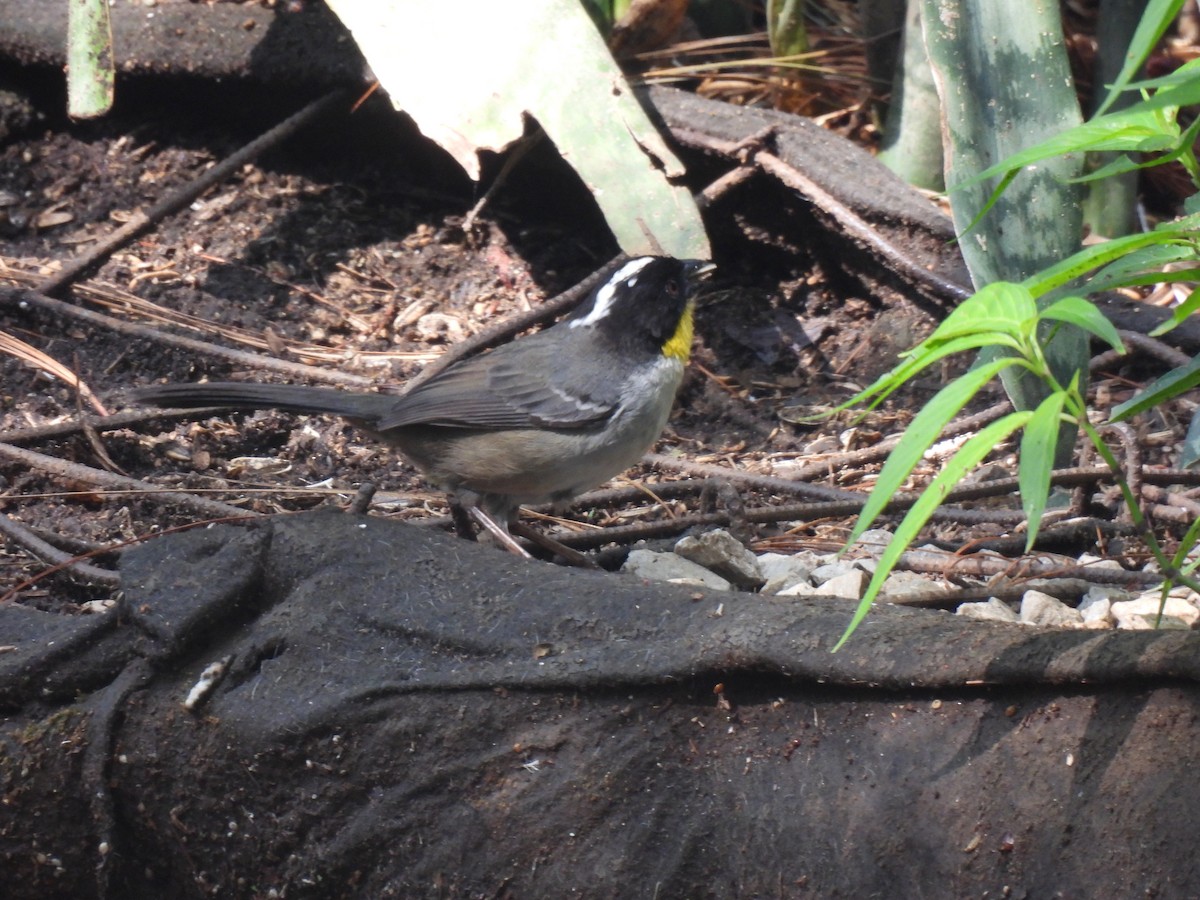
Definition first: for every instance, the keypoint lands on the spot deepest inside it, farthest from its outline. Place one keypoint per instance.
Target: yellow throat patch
(679, 345)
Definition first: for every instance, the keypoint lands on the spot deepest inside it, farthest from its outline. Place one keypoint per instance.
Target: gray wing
(535, 382)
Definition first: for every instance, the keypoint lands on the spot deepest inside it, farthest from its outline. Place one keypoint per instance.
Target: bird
(540, 419)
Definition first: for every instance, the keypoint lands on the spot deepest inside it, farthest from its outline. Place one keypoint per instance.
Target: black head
(645, 305)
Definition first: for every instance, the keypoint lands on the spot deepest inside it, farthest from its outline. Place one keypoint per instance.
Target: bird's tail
(246, 395)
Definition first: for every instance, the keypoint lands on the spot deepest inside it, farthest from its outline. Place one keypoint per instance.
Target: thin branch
(189, 192)
(979, 565)
(19, 296)
(23, 537)
(1156, 348)
(941, 287)
(879, 451)
(89, 475)
(39, 433)
(122, 303)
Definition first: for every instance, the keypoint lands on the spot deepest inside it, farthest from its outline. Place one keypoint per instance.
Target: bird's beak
(695, 269)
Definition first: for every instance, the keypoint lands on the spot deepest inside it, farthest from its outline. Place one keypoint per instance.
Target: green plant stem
(1188, 543)
(1170, 571)
(786, 28)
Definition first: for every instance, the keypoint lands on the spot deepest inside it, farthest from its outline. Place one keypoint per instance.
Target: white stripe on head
(628, 273)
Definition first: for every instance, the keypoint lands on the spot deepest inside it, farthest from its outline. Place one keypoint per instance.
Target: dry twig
(189, 192)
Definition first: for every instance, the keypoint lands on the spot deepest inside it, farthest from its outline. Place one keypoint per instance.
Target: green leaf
(1001, 186)
(1184, 74)
(931, 351)
(1181, 313)
(1008, 301)
(1158, 16)
(1181, 88)
(1145, 278)
(1172, 384)
(1089, 258)
(920, 435)
(1130, 130)
(1118, 166)
(1184, 226)
(1141, 128)
(1087, 316)
(1145, 266)
(1148, 126)
(1175, 148)
(1001, 307)
(915, 360)
(1037, 461)
(968, 456)
(1187, 547)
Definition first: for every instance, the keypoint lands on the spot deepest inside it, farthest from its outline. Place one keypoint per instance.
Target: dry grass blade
(742, 69)
(14, 346)
(131, 306)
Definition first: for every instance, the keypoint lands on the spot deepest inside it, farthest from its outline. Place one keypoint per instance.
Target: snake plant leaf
(471, 73)
(1006, 86)
(90, 68)
(912, 133)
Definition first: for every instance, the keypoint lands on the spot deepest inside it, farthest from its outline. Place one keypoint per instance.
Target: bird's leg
(460, 515)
